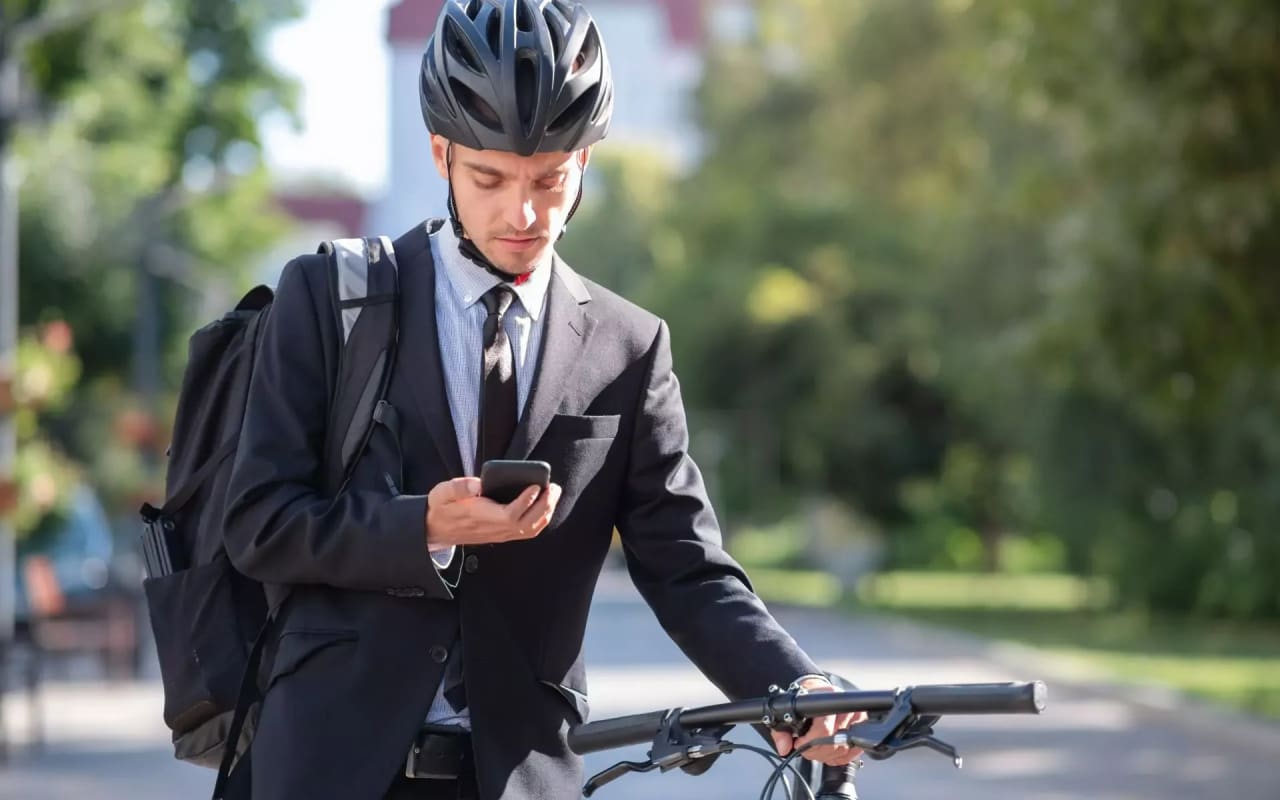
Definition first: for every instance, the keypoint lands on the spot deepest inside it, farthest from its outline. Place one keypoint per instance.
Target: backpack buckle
(157, 556)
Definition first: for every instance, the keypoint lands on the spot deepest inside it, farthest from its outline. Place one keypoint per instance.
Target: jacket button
(471, 563)
(439, 654)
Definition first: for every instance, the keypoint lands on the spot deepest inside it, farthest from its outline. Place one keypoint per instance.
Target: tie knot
(498, 299)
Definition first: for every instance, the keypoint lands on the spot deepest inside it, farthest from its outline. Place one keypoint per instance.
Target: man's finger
(536, 520)
(517, 508)
(539, 513)
(781, 742)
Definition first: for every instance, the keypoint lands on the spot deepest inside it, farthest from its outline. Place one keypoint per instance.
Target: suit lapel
(568, 327)
(420, 355)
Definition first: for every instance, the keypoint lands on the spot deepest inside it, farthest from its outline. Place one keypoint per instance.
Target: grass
(1235, 664)
(796, 587)
(1024, 592)
(1065, 616)
(774, 563)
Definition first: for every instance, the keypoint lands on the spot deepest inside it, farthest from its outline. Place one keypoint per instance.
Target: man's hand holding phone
(459, 513)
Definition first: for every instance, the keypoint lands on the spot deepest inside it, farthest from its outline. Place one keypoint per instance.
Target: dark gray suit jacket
(370, 620)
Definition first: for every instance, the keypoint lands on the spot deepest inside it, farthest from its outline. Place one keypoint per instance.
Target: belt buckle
(413, 771)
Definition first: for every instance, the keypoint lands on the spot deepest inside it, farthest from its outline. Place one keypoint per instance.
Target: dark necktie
(455, 691)
(497, 423)
(497, 381)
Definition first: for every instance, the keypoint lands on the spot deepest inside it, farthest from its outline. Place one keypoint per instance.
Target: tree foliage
(996, 269)
(140, 157)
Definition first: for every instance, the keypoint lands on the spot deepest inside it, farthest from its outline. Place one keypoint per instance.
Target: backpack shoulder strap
(363, 272)
(365, 289)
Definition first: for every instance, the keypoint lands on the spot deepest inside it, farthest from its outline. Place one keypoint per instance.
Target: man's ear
(584, 156)
(440, 154)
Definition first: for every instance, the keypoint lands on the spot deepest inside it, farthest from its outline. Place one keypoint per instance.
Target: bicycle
(898, 719)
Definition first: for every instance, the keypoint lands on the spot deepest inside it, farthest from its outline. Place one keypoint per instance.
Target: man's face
(513, 207)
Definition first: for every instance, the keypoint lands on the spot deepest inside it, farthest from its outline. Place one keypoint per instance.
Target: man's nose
(520, 215)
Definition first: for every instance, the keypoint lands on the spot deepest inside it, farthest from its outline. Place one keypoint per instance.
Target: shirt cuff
(444, 556)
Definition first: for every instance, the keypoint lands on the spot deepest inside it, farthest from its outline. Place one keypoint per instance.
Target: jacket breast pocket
(296, 647)
(583, 426)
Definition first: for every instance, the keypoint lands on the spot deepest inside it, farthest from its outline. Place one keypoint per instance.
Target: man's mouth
(517, 243)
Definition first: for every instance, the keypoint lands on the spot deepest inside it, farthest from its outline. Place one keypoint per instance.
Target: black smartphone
(503, 481)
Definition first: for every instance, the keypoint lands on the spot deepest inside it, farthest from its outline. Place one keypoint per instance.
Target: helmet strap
(576, 202)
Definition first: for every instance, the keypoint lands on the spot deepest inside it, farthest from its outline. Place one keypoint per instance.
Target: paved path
(1093, 742)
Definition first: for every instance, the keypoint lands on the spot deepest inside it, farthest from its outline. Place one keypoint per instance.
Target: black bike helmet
(520, 76)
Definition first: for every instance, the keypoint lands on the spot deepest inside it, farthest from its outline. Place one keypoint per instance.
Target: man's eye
(552, 185)
(488, 184)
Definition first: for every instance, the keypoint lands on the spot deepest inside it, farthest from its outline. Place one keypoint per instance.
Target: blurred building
(319, 214)
(656, 48)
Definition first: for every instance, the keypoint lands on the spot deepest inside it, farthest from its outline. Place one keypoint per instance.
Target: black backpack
(210, 622)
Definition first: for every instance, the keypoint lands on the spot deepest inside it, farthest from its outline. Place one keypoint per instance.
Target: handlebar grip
(981, 698)
(608, 733)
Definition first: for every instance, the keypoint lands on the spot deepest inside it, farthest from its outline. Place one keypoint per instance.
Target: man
(424, 618)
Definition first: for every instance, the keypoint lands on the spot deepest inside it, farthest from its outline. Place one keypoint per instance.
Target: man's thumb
(467, 487)
(454, 490)
(781, 742)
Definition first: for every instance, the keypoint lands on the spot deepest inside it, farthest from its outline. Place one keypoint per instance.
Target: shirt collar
(470, 281)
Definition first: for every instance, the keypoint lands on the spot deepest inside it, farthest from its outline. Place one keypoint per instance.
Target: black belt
(440, 753)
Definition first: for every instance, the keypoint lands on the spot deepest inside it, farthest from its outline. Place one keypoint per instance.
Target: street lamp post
(9, 91)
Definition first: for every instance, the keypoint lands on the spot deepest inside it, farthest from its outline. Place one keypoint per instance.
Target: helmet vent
(557, 16)
(458, 47)
(587, 55)
(557, 42)
(527, 90)
(524, 19)
(493, 33)
(576, 111)
(475, 106)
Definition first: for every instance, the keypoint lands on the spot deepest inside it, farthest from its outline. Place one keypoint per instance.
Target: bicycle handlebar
(964, 698)
(616, 732)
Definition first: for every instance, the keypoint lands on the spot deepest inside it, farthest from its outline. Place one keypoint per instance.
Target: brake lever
(933, 743)
(899, 729)
(673, 746)
(613, 773)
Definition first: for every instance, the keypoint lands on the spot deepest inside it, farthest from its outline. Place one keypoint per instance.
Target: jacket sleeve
(279, 526)
(672, 542)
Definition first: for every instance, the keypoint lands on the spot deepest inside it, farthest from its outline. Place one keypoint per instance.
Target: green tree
(144, 192)
(1005, 263)
(1159, 342)
(853, 212)
(148, 149)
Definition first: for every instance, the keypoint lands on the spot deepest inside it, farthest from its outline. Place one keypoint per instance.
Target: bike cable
(779, 772)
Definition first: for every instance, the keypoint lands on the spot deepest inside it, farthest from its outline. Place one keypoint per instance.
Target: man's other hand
(833, 755)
